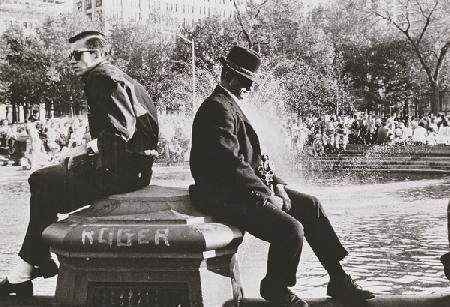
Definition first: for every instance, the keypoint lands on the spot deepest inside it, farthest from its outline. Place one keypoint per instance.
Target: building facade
(165, 12)
(29, 14)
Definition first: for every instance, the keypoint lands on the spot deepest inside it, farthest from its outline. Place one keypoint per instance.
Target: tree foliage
(426, 27)
(336, 58)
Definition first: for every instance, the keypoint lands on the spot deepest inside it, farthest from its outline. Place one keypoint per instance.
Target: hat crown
(244, 58)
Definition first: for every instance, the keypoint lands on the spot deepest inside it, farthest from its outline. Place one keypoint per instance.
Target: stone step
(389, 167)
(378, 162)
(390, 155)
(411, 163)
(383, 166)
(396, 170)
(385, 301)
(379, 301)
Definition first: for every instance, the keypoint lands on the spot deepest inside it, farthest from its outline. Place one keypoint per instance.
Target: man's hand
(152, 153)
(73, 154)
(276, 201)
(281, 193)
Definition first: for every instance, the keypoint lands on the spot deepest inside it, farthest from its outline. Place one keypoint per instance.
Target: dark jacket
(123, 118)
(224, 156)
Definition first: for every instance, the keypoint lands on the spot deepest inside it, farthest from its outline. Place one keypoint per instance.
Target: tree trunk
(435, 99)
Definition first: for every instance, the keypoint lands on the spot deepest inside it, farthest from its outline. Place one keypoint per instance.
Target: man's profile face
(83, 59)
(240, 86)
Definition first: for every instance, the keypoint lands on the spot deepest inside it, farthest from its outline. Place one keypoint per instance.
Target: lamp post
(193, 65)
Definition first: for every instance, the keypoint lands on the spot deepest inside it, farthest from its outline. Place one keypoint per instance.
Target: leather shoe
(46, 270)
(282, 297)
(22, 290)
(346, 289)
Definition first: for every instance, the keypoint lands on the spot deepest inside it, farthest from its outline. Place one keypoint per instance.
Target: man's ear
(99, 54)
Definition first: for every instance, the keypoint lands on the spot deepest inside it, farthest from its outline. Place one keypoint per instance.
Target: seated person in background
(318, 148)
(383, 133)
(432, 136)
(5, 133)
(443, 136)
(419, 134)
(119, 158)
(400, 134)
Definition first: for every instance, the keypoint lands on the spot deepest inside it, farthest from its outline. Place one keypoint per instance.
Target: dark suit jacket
(123, 118)
(224, 156)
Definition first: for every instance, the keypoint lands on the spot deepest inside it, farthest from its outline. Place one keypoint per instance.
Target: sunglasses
(76, 55)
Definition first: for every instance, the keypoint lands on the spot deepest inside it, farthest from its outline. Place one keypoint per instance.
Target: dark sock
(335, 271)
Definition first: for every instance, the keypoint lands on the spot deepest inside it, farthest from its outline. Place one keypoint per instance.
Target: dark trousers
(56, 190)
(285, 232)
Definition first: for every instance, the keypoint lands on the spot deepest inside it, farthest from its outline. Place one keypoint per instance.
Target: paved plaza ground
(393, 227)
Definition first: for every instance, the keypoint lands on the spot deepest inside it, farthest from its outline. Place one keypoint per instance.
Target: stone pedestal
(146, 248)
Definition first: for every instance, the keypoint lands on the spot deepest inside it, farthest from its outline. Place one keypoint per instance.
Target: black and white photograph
(225, 153)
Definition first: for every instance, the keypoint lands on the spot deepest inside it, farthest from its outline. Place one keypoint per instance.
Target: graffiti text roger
(125, 237)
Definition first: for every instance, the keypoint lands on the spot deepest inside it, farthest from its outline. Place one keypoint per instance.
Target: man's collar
(85, 76)
(229, 93)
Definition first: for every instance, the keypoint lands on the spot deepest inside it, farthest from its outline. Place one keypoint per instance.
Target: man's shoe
(46, 270)
(21, 290)
(346, 289)
(281, 297)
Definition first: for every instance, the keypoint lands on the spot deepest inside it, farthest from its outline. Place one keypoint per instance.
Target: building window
(89, 15)
(80, 5)
(98, 3)
(88, 4)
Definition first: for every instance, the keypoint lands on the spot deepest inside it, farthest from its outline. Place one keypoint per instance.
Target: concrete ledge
(384, 301)
(379, 301)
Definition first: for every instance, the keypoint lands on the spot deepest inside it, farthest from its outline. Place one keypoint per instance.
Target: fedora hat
(243, 61)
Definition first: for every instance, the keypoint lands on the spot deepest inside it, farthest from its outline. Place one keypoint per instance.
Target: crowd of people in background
(331, 132)
(38, 143)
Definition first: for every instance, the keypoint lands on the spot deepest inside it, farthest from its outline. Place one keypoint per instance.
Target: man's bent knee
(297, 233)
(37, 179)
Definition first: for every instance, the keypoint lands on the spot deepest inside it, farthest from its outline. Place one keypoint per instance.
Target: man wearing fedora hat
(224, 160)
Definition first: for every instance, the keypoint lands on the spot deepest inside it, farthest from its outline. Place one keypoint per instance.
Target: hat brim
(239, 70)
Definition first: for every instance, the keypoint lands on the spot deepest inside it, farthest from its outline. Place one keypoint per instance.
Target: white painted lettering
(162, 234)
(141, 236)
(87, 235)
(109, 239)
(120, 234)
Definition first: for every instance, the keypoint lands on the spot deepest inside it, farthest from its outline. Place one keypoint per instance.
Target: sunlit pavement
(394, 230)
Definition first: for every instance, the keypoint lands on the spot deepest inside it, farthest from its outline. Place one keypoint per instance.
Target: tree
(36, 69)
(24, 68)
(426, 27)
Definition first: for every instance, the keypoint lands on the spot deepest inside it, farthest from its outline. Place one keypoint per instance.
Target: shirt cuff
(93, 145)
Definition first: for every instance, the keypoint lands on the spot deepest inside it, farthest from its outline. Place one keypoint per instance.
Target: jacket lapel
(251, 133)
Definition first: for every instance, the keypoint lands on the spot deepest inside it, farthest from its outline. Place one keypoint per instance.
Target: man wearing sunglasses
(124, 130)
